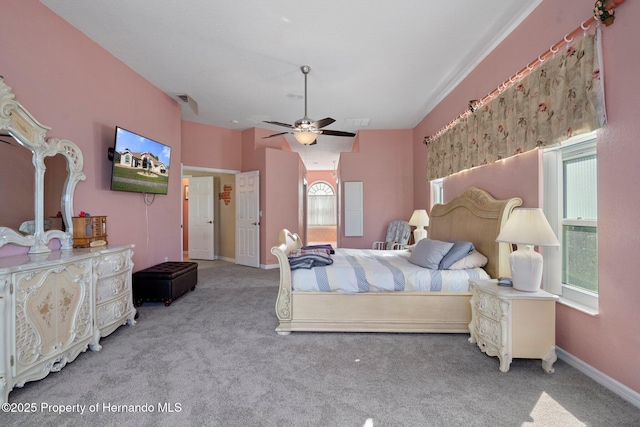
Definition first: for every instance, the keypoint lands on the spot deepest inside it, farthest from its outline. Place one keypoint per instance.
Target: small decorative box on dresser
(88, 229)
(512, 324)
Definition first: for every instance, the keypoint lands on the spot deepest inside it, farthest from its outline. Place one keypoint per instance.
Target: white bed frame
(473, 215)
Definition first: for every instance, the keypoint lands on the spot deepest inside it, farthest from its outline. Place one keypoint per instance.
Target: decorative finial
(604, 11)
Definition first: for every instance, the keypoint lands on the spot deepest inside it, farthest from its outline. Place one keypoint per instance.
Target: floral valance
(562, 97)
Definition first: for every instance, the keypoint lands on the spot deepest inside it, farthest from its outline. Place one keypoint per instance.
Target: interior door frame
(186, 174)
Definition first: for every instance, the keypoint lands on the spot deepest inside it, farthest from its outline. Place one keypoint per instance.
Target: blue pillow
(459, 250)
(428, 253)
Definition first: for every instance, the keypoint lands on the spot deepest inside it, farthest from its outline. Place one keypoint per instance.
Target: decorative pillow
(428, 253)
(474, 260)
(459, 250)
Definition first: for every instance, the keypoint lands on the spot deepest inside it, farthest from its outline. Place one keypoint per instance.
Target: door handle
(255, 223)
(209, 222)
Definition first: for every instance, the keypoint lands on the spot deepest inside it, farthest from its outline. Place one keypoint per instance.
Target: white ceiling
(389, 61)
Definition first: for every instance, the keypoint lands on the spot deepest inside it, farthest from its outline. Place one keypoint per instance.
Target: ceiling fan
(305, 130)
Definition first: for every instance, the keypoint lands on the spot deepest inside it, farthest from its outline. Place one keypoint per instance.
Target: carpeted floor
(212, 358)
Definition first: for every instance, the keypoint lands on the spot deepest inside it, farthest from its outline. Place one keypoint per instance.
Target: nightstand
(513, 324)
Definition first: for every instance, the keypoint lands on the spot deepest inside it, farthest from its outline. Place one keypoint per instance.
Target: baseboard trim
(606, 381)
(269, 266)
(224, 258)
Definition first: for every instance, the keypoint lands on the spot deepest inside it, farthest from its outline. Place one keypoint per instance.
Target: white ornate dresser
(53, 304)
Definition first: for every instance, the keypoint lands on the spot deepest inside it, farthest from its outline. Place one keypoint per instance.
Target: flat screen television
(139, 164)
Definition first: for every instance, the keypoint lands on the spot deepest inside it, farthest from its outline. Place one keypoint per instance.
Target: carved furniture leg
(549, 359)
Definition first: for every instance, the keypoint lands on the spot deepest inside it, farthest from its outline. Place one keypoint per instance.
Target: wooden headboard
(475, 216)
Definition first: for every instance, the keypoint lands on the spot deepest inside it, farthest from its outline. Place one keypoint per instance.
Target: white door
(248, 219)
(201, 218)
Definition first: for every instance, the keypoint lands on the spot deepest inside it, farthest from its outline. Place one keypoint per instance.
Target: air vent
(356, 123)
(189, 100)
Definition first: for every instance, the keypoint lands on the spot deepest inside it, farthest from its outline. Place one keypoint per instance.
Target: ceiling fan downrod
(305, 70)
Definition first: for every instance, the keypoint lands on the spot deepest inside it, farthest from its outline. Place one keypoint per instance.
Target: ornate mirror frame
(21, 125)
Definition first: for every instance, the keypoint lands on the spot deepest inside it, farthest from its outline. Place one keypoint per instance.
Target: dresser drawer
(113, 311)
(112, 286)
(112, 263)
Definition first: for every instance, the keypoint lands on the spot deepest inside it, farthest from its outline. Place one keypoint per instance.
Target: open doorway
(322, 214)
(223, 210)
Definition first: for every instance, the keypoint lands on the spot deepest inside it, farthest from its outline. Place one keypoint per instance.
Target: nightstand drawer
(487, 305)
(489, 331)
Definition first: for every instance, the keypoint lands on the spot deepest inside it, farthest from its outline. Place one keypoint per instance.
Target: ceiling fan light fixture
(305, 137)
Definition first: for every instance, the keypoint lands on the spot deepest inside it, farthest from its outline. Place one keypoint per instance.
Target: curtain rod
(568, 38)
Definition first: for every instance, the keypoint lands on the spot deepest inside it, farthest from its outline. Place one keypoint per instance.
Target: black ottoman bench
(164, 282)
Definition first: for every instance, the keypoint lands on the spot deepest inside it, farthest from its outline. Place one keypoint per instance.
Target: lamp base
(526, 269)
(419, 233)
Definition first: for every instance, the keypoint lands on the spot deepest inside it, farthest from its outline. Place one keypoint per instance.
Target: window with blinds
(579, 222)
(571, 206)
(321, 204)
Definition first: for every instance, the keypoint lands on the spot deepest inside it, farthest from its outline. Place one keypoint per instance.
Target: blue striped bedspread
(362, 270)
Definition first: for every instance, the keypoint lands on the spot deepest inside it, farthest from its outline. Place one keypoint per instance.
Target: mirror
(54, 179)
(17, 181)
(32, 200)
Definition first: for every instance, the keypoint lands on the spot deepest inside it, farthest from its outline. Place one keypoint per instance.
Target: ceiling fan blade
(322, 123)
(279, 124)
(275, 134)
(337, 133)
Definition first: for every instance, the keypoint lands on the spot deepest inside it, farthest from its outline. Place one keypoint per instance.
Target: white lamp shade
(528, 226)
(305, 138)
(419, 218)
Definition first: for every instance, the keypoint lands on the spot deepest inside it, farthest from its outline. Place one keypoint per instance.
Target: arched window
(321, 204)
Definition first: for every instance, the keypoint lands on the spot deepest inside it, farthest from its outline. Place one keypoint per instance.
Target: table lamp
(527, 227)
(420, 219)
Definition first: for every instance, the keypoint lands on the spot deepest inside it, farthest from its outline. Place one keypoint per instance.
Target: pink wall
(71, 84)
(282, 205)
(385, 167)
(325, 176)
(211, 146)
(609, 342)
(513, 177)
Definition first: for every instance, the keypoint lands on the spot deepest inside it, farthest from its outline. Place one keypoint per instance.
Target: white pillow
(428, 253)
(473, 260)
